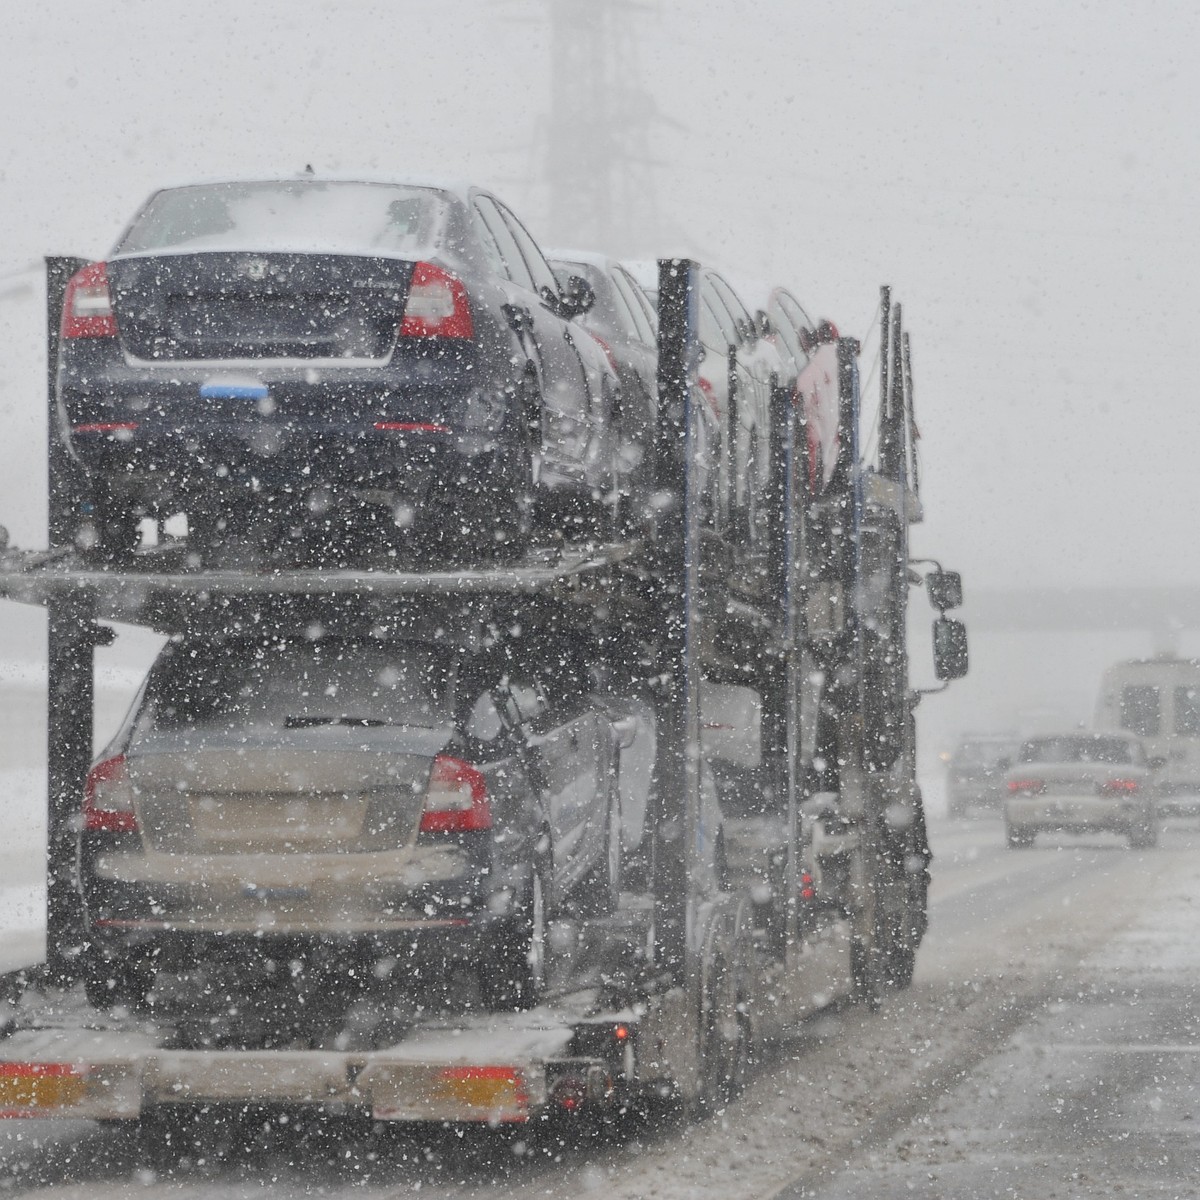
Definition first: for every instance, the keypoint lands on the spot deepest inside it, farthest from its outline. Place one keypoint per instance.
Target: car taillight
(108, 798)
(87, 304)
(456, 800)
(1120, 786)
(709, 394)
(437, 305)
(1026, 785)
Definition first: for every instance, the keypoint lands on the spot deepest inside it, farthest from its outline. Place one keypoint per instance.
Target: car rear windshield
(1082, 750)
(270, 688)
(296, 215)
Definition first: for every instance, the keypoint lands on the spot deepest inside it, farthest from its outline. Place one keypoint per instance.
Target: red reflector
(105, 427)
(570, 1093)
(437, 305)
(108, 798)
(87, 305)
(1121, 785)
(1026, 785)
(411, 427)
(457, 799)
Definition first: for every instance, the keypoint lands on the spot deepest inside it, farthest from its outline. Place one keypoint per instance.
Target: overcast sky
(1023, 174)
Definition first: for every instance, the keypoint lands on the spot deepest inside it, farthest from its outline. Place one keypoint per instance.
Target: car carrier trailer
(825, 872)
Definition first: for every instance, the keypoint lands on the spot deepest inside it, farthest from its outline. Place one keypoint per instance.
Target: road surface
(1049, 1047)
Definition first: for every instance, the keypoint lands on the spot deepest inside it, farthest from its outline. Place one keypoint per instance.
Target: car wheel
(486, 515)
(114, 983)
(1017, 837)
(514, 975)
(114, 533)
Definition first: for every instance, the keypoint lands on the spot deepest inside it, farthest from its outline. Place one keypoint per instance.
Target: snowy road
(1050, 1046)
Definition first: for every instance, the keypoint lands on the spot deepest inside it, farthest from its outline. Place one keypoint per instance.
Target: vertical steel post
(70, 678)
(70, 695)
(793, 491)
(679, 828)
(63, 476)
(892, 421)
(914, 466)
(885, 395)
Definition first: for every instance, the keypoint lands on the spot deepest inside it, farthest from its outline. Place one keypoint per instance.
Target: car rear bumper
(1076, 812)
(164, 433)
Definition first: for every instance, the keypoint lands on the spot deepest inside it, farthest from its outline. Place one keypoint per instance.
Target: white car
(1079, 782)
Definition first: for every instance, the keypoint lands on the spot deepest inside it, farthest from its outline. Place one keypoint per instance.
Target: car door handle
(520, 319)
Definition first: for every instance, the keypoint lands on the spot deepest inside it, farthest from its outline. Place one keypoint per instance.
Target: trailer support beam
(72, 637)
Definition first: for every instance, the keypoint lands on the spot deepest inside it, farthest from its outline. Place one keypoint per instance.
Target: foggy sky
(1021, 174)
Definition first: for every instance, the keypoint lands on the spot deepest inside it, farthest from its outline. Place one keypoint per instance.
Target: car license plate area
(278, 821)
(234, 391)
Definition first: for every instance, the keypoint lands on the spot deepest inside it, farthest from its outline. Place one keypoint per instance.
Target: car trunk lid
(238, 305)
(279, 800)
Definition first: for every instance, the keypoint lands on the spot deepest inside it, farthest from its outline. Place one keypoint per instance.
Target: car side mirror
(945, 589)
(766, 327)
(1156, 762)
(1002, 764)
(484, 722)
(524, 705)
(3, 538)
(577, 296)
(949, 648)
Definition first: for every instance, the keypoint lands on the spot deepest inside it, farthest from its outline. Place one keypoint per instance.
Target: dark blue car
(278, 358)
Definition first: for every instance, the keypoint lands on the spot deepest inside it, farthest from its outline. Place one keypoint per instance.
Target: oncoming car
(283, 356)
(975, 773)
(1079, 782)
(350, 802)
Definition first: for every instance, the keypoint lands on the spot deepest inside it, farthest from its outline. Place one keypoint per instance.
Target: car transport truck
(807, 889)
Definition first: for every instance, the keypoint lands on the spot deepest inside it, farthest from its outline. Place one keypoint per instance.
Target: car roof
(590, 258)
(457, 187)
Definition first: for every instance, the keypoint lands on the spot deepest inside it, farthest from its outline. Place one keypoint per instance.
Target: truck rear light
(108, 798)
(1031, 786)
(437, 305)
(1120, 787)
(87, 305)
(456, 800)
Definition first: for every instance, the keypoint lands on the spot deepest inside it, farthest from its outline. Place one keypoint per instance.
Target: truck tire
(1016, 837)
(114, 982)
(1144, 835)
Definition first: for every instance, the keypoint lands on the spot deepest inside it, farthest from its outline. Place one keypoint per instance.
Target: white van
(1158, 699)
